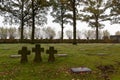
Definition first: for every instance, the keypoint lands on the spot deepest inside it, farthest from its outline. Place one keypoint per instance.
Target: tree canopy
(93, 13)
(33, 13)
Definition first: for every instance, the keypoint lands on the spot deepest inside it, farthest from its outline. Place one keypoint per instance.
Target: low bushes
(56, 41)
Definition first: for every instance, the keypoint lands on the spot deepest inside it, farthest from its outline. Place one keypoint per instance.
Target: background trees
(69, 34)
(89, 34)
(78, 34)
(39, 10)
(16, 12)
(94, 13)
(33, 14)
(115, 11)
(8, 33)
(23, 12)
(49, 33)
(117, 33)
(60, 13)
(12, 32)
(3, 33)
(106, 34)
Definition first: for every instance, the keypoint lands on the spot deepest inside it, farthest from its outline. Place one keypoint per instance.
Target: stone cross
(24, 52)
(37, 51)
(51, 53)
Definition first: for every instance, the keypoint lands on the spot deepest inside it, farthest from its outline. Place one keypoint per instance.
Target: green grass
(80, 55)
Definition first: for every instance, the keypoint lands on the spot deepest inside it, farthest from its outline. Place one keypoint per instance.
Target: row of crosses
(24, 52)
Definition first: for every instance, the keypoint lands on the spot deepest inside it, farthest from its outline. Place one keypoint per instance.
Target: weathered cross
(24, 52)
(51, 53)
(37, 51)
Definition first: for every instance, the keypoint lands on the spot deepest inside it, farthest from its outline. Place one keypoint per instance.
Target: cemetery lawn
(85, 55)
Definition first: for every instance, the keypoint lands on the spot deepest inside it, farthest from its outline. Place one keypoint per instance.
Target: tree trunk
(62, 33)
(97, 33)
(62, 26)
(74, 23)
(33, 21)
(22, 22)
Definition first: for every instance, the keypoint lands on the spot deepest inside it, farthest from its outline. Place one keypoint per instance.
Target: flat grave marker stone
(97, 54)
(102, 54)
(15, 56)
(81, 70)
(62, 55)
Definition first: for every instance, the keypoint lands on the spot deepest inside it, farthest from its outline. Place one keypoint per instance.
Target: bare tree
(106, 34)
(59, 35)
(3, 32)
(117, 33)
(69, 34)
(49, 32)
(27, 32)
(12, 32)
(100, 36)
(38, 33)
(89, 34)
(78, 34)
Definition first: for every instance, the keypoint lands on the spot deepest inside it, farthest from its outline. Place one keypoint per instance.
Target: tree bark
(97, 31)
(33, 21)
(62, 26)
(74, 23)
(22, 21)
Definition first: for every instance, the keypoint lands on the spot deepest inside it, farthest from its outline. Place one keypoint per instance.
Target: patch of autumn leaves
(7, 70)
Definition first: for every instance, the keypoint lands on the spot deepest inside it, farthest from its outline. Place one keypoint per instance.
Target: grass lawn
(88, 55)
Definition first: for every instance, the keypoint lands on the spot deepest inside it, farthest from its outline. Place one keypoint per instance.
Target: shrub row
(56, 41)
